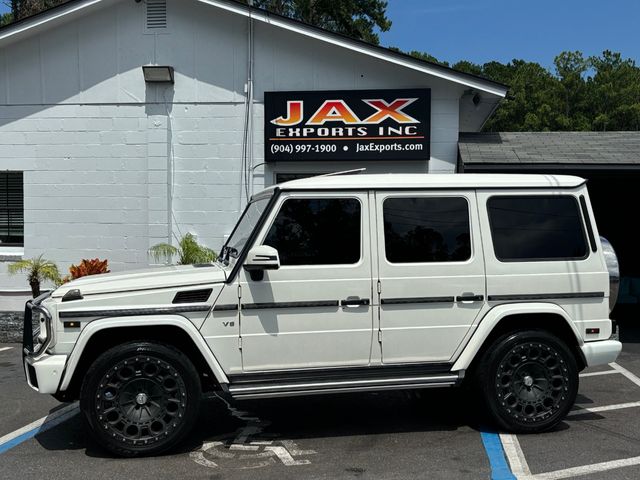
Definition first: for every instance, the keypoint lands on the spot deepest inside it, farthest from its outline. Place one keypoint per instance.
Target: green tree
(25, 8)
(38, 270)
(355, 18)
(614, 92)
(188, 251)
(571, 68)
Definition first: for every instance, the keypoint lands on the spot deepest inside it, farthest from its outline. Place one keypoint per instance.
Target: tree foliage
(355, 18)
(598, 93)
(38, 270)
(25, 8)
(188, 251)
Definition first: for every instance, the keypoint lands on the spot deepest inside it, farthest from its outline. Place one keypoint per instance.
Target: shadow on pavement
(304, 417)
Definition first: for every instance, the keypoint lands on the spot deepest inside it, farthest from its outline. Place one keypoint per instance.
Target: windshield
(248, 221)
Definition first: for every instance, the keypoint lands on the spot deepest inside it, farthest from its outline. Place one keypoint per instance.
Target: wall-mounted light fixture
(158, 74)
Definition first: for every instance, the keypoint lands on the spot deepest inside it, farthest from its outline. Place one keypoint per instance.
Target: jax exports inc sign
(347, 125)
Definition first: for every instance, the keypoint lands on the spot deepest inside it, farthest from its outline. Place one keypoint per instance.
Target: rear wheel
(529, 381)
(140, 398)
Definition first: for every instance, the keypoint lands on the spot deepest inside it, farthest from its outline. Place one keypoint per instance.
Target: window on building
(426, 229)
(317, 231)
(530, 228)
(11, 209)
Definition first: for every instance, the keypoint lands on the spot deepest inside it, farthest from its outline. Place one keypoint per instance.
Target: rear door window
(536, 228)
(426, 229)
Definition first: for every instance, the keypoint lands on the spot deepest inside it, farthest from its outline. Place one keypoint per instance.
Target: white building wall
(100, 148)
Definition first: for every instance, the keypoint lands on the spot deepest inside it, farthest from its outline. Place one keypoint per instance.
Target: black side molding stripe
(403, 301)
(223, 308)
(131, 312)
(546, 296)
(322, 303)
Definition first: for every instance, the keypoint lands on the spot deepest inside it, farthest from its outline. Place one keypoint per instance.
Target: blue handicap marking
(499, 467)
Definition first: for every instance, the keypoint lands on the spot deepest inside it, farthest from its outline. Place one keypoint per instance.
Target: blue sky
(537, 30)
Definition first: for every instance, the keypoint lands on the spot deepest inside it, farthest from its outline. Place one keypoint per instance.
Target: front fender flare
(148, 322)
(495, 315)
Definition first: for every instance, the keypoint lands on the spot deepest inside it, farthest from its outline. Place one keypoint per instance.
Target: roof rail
(345, 172)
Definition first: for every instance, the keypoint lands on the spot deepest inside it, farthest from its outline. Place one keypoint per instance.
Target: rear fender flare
(147, 322)
(493, 318)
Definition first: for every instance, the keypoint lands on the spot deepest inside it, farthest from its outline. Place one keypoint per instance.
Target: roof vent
(156, 15)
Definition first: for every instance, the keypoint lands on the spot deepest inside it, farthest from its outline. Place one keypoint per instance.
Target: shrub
(87, 267)
(188, 251)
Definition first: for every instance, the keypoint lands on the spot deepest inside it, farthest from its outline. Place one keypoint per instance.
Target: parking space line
(41, 425)
(626, 373)
(515, 455)
(606, 408)
(587, 469)
(595, 374)
(493, 447)
(5, 349)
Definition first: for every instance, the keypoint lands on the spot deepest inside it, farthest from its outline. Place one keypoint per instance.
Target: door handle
(470, 298)
(354, 302)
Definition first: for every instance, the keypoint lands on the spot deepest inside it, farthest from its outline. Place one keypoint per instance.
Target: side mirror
(262, 257)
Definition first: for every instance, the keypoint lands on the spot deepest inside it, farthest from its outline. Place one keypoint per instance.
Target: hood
(147, 279)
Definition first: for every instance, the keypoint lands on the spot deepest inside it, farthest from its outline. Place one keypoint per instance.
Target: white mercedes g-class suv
(345, 283)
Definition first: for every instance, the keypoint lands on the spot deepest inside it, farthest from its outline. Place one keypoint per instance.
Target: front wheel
(529, 381)
(140, 398)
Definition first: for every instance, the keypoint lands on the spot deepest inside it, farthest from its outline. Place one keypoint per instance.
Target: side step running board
(342, 386)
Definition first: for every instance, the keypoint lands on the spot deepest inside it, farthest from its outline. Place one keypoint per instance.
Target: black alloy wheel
(529, 381)
(140, 398)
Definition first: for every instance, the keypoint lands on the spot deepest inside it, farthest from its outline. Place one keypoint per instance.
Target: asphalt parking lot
(400, 435)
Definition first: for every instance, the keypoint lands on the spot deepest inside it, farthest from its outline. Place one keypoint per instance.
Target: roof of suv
(435, 181)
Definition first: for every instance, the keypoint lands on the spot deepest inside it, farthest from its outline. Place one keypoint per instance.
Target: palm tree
(38, 270)
(188, 251)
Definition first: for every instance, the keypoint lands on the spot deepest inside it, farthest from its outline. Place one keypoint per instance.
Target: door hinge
(379, 287)
(240, 343)
(379, 336)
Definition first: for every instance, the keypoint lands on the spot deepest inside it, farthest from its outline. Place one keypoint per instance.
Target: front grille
(36, 335)
(31, 329)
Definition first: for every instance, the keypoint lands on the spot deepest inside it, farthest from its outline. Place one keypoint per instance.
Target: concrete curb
(11, 327)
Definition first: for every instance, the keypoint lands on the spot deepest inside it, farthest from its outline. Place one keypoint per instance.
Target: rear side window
(426, 229)
(317, 231)
(530, 228)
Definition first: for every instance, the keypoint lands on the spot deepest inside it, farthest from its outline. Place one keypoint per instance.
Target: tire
(140, 398)
(528, 381)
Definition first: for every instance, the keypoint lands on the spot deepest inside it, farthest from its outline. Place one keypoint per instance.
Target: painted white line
(606, 408)
(587, 469)
(595, 374)
(43, 424)
(513, 451)
(626, 373)
(5, 348)
(285, 457)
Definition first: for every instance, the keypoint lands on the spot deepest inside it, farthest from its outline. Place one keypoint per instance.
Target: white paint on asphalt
(3, 349)
(246, 451)
(595, 374)
(515, 456)
(586, 469)
(41, 425)
(285, 457)
(626, 373)
(606, 408)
